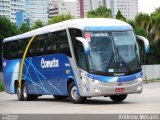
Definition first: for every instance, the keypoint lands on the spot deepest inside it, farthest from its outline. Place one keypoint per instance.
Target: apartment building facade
(79, 8)
(8, 8)
(36, 10)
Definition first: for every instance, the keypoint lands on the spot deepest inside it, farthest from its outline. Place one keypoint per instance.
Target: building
(63, 7)
(8, 8)
(19, 18)
(5, 8)
(79, 8)
(129, 8)
(16, 5)
(36, 10)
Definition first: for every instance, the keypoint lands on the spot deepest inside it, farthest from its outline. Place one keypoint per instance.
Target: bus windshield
(114, 52)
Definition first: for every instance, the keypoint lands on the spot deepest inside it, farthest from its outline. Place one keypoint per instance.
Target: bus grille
(119, 83)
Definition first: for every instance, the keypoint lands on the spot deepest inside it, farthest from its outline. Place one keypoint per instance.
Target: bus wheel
(118, 98)
(73, 96)
(26, 96)
(59, 97)
(19, 94)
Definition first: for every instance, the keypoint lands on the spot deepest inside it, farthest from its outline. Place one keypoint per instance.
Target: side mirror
(85, 45)
(146, 43)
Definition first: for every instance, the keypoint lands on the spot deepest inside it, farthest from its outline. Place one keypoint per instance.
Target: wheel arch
(69, 81)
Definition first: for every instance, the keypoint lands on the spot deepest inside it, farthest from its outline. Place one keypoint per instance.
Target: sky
(145, 6)
(148, 6)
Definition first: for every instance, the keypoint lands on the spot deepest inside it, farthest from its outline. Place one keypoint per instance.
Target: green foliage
(132, 23)
(60, 18)
(101, 12)
(7, 29)
(149, 27)
(37, 24)
(142, 20)
(24, 28)
(1, 87)
(120, 16)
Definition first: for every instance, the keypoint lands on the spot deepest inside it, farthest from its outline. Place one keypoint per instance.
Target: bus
(75, 59)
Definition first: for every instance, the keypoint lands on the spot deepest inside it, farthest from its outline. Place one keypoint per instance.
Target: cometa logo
(49, 63)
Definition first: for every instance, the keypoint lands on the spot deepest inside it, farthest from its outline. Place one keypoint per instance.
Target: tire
(72, 94)
(118, 98)
(19, 94)
(59, 97)
(26, 96)
(22, 94)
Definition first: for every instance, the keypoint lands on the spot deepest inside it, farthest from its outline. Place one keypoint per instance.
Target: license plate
(119, 90)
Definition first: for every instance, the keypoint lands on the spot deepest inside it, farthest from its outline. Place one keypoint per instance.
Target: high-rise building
(79, 8)
(63, 7)
(36, 10)
(19, 18)
(16, 5)
(5, 8)
(8, 8)
(129, 8)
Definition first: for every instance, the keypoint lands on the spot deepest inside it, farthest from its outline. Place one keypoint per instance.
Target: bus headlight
(96, 81)
(139, 79)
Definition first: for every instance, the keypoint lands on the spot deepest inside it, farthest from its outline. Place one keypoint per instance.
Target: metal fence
(150, 72)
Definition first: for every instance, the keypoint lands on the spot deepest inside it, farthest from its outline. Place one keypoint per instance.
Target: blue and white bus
(74, 59)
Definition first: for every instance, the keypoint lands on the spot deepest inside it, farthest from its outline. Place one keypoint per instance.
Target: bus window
(62, 43)
(80, 56)
(77, 46)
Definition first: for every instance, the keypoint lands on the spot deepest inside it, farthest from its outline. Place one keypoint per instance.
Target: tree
(101, 12)
(24, 28)
(132, 23)
(142, 20)
(60, 18)
(37, 24)
(120, 16)
(7, 29)
(155, 29)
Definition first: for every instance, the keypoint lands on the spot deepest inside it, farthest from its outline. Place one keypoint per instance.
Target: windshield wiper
(110, 60)
(120, 57)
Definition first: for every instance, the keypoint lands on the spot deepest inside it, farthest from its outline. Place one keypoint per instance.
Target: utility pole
(81, 8)
(91, 4)
(104, 3)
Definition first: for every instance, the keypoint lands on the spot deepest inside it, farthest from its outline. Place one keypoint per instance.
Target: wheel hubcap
(74, 93)
(19, 92)
(24, 92)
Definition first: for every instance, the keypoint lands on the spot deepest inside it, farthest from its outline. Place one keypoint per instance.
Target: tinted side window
(73, 34)
(14, 49)
(78, 48)
(80, 56)
(37, 46)
(62, 43)
(51, 43)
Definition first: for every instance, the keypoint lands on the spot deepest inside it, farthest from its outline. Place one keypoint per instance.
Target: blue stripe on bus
(108, 28)
(116, 78)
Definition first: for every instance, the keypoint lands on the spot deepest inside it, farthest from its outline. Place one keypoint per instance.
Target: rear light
(119, 90)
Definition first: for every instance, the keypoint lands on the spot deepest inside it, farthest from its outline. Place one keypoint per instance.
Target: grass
(1, 87)
(152, 80)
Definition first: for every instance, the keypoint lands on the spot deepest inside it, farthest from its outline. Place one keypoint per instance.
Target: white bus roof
(87, 24)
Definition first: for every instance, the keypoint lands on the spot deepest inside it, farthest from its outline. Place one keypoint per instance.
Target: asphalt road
(146, 102)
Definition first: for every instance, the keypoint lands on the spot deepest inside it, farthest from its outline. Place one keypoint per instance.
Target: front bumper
(93, 88)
